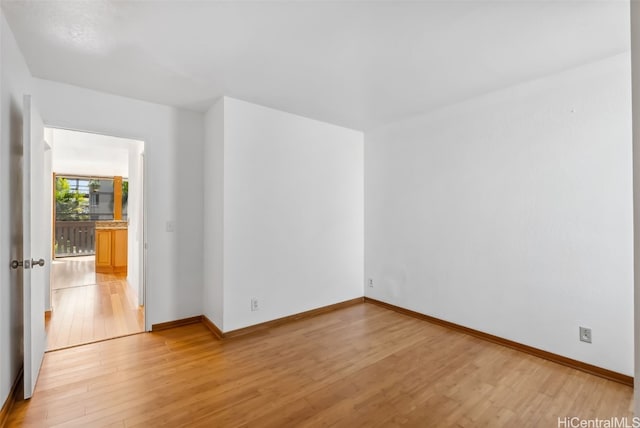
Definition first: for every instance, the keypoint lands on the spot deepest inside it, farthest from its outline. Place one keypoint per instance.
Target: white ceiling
(353, 63)
(83, 153)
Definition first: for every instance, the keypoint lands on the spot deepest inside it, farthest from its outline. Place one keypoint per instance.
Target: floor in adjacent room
(359, 366)
(87, 306)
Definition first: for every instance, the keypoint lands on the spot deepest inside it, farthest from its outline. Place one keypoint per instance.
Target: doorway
(97, 273)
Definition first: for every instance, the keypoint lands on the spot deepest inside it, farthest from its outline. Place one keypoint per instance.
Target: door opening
(97, 273)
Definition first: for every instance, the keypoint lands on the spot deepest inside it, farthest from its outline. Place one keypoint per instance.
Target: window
(88, 199)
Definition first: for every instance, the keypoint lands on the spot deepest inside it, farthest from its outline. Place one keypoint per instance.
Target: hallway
(88, 307)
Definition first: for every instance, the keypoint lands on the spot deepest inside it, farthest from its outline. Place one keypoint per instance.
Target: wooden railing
(75, 238)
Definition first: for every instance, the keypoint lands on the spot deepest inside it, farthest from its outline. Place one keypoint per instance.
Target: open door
(34, 220)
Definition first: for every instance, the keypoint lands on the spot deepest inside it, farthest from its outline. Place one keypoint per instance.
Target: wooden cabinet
(103, 250)
(119, 253)
(111, 250)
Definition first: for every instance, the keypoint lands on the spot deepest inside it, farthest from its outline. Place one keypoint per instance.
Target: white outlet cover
(585, 334)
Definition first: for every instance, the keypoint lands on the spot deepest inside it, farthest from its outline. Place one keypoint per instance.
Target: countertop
(111, 224)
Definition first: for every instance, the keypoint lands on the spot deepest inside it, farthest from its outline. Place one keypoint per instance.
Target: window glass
(101, 199)
(84, 199)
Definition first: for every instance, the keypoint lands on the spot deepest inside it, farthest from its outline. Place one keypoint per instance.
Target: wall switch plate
(254, 304)
(371, 282)
(585, 334)
(170, 226)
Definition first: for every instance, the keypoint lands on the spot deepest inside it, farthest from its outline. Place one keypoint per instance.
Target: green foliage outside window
(71, 205)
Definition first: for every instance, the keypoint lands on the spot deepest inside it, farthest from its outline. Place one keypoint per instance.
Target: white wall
(173, 145)
(15, 81)
(512, 213)
(635, 76)
(213, 164)
(84, 153)
(135, 214)
(292, 215)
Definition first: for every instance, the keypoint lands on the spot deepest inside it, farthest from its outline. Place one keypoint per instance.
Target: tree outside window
(71, 203)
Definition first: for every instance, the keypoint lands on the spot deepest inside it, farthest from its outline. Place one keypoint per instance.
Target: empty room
(321, 213)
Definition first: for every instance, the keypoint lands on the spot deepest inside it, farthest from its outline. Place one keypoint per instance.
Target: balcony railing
(75, 238)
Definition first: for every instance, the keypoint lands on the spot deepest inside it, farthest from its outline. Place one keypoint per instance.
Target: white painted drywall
(213, 165)
(135, 214)
(293, 212)
(635, 77)
(15, 81)
(85, 153)
(173, 146)
(511, 213)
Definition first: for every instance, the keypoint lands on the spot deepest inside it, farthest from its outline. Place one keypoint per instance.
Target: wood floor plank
(359, 366)
(83, 312)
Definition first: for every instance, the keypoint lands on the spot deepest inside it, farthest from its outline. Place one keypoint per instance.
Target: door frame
(143, 245)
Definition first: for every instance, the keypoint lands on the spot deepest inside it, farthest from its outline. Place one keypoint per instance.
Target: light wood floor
(88, 307)
(73, 272)
(359, 366)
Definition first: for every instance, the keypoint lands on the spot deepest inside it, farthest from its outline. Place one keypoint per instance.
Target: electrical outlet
(254, 304)
(585, 334)
(371, 282)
